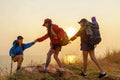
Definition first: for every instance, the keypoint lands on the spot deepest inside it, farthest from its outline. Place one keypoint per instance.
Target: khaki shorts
(18, 58)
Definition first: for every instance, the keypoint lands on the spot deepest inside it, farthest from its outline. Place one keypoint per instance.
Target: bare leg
(92, 55)
(85, 59)
(19, 62)
(57, 59)
(48, 57)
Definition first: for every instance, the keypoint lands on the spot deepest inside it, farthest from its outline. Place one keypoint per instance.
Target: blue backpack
(93, 32)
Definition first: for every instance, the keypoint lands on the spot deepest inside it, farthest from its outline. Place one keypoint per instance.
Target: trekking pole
(11, 66)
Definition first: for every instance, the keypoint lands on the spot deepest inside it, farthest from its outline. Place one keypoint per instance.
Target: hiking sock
(61, 69)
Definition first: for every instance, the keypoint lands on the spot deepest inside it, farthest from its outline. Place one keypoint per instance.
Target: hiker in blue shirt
(16, 52)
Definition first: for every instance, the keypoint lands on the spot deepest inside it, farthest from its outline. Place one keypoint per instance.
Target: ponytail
(49, 28)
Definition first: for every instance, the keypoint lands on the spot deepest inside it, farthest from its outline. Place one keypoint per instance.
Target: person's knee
(19, 63)
(55, 56)
(85, 53)
(92, 58)
(20, 59)
(50, 53)
(14, 59)
(49, 56)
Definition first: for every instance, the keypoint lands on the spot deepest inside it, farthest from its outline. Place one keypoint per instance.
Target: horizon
(25, 17)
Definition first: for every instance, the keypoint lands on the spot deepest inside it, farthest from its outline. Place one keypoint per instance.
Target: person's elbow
(11, 54)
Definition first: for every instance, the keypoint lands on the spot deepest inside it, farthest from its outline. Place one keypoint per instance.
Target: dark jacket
(82, 33)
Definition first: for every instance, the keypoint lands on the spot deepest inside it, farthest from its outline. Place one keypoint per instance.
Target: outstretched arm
(28, 45)
(77, 34)
(42, 38)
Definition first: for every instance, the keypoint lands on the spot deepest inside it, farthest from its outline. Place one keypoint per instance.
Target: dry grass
(3, 73)
(110, 63)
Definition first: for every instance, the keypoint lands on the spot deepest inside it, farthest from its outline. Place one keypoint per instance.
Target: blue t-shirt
(17, 50)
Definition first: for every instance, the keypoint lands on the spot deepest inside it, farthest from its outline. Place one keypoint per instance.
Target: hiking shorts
(18, 58)
(87, 47)
(56, 47)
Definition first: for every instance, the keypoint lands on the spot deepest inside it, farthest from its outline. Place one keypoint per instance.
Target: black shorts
(87, 47)
(56, 47)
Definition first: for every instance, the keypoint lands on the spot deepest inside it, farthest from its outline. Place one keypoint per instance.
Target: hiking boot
(101, 75)
(83, 74)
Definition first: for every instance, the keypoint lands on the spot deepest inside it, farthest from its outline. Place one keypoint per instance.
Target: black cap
(82, 20)
(19, 37)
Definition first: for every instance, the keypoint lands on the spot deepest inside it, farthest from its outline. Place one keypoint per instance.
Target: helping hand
(69, 42)
(36, 40)
(73, 38)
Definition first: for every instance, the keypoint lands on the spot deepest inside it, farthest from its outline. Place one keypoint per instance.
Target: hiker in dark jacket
(16, 52)
(87, 48)
(54, 33)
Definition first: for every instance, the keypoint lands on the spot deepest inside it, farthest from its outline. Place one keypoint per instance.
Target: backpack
(64, 38)
(94, 33)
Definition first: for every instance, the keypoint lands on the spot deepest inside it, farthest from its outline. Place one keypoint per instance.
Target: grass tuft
(110, 63)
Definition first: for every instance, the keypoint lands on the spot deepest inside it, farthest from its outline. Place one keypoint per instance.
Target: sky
(25, 17)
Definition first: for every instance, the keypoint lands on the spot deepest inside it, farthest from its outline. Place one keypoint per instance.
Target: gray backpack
(94, 33)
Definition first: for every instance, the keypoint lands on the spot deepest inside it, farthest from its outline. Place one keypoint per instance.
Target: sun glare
(71, 31)
(69, 59)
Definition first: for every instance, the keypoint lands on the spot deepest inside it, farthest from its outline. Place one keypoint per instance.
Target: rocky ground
(111, 64)
(36, 73)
